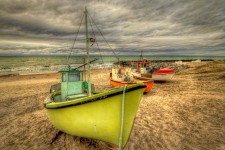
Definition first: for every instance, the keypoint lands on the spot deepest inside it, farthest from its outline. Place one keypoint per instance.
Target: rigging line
(100, 52)
(96, 42)
(95, 39)
(74, 40)
(104, 38)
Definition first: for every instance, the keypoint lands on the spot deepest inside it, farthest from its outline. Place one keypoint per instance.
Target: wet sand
(185, 113)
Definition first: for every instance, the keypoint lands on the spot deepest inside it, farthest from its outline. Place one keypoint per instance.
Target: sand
(185, 113)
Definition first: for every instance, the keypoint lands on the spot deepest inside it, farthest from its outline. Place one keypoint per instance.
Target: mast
(87, 48)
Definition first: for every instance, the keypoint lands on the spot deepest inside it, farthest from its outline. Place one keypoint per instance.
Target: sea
(40, 64)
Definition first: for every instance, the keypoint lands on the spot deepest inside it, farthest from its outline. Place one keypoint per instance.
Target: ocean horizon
(53, 63)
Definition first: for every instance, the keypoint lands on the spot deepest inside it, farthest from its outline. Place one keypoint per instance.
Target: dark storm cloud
(130, 26)
(31, 25)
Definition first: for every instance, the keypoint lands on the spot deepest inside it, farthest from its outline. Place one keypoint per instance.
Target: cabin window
(74, 77)
(63, 77)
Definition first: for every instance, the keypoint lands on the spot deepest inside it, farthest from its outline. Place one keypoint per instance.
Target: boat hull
(147, 83)
(143, 78)
(162, 76)
(98, 116)
(155, 77)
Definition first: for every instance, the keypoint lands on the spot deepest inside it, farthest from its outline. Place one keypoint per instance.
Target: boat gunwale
(89, 99)
(143, 78)
(124, 82)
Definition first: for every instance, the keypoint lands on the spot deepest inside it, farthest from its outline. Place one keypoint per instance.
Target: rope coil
(122, 118)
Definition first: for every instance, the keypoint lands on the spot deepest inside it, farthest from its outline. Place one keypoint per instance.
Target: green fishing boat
(74, 108)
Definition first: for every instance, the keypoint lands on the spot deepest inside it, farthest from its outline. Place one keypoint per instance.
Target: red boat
(164, 74)
(140, 64)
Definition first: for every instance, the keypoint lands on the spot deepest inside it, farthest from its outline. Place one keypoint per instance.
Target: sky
(129, 27)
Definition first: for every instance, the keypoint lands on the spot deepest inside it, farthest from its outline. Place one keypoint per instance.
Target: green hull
(98, 116)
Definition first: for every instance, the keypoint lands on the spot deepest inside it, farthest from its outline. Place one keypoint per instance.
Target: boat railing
(55, 87)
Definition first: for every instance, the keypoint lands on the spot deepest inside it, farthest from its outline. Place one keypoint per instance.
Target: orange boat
(122, 75)
(148, 84)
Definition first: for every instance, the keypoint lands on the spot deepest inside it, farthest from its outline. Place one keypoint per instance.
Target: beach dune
(185, 113)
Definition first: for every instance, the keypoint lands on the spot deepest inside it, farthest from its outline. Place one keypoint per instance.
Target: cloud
(130, 26)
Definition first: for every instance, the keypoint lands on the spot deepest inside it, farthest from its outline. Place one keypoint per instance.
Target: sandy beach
(185, 113)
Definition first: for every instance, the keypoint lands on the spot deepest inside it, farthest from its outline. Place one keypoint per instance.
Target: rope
(102, 60)
(122, 118)
(95, 38)
(104, 38)
(74, 41)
